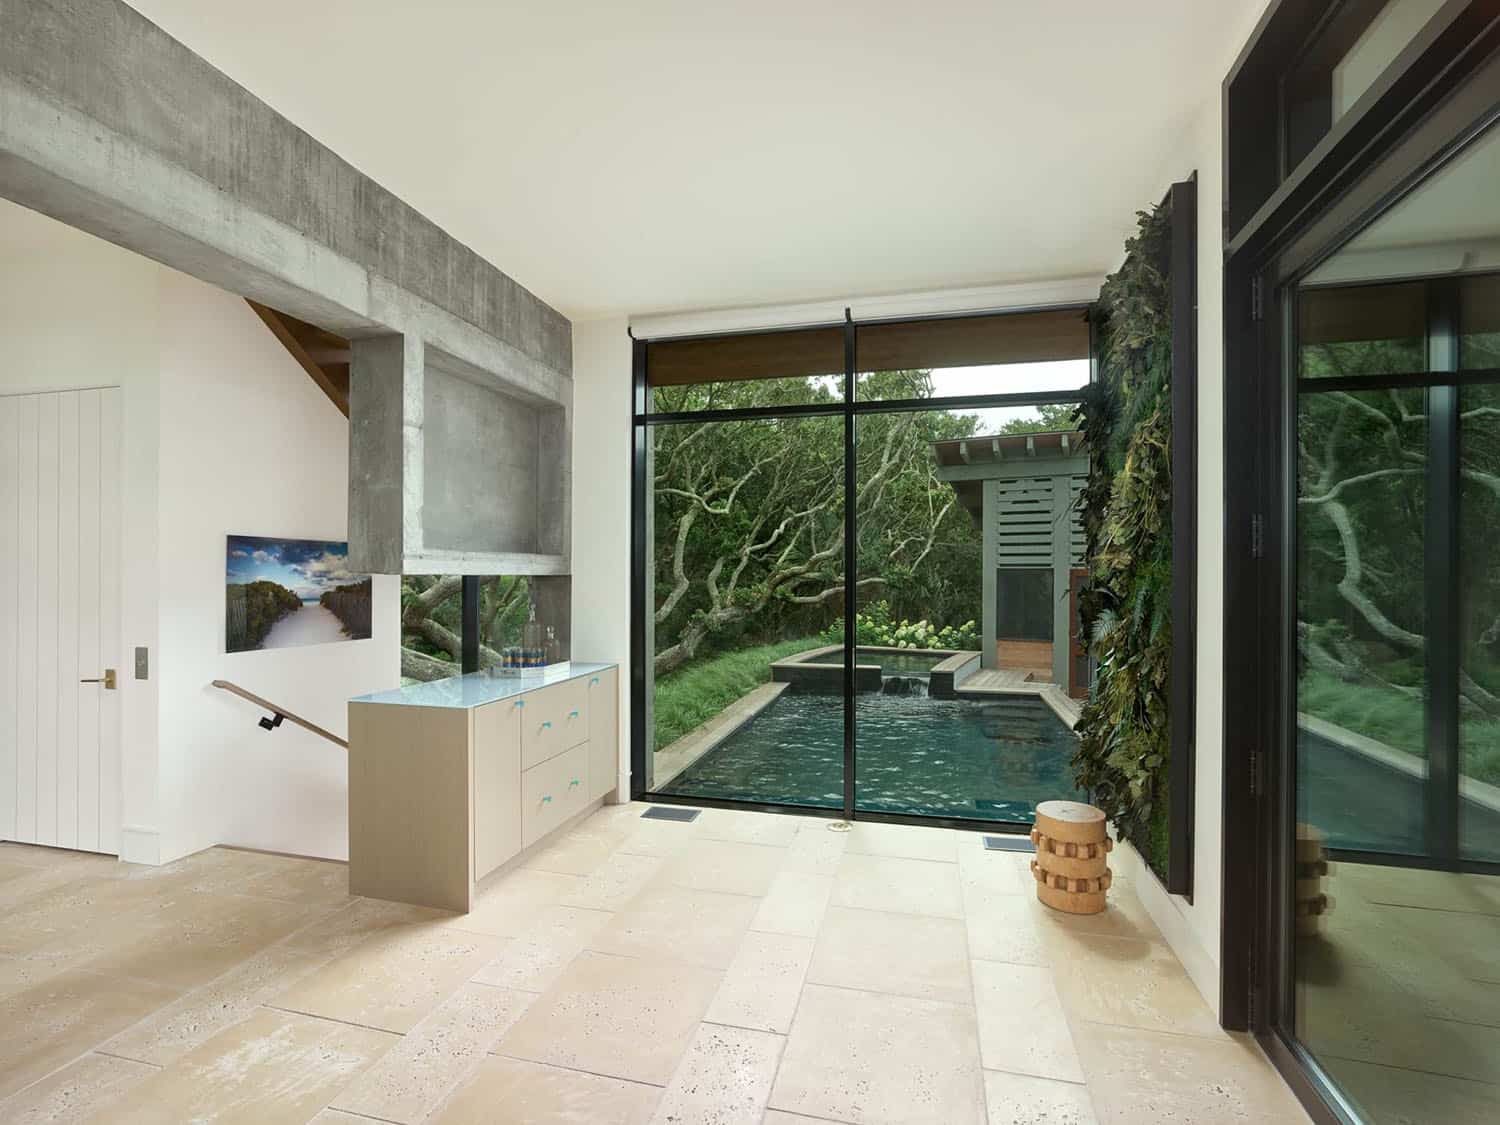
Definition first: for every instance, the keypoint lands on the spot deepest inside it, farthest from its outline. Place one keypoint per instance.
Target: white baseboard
(140, 845)
(1201, 966)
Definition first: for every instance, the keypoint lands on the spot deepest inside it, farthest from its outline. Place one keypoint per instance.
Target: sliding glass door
(1394, 897)
(964, 568)
(747, 555)
(922, 472)
(745, 527)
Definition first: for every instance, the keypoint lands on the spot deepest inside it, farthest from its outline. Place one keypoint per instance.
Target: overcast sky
(307, 567)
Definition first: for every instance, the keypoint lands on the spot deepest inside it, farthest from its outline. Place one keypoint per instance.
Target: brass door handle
(108, 680)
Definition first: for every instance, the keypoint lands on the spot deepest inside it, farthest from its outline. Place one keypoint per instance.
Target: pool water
(906, 662)
(991, 759)
(913, 662)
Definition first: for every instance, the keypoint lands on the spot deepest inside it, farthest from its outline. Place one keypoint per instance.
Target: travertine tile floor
(742, 968)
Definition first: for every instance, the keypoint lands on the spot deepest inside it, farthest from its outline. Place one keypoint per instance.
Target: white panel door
(59, 619)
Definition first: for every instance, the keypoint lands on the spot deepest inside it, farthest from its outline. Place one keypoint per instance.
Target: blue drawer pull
(574, 782)
(520, 703)
(593, 681)
(547, 800)
(547, 725)
(572, 714)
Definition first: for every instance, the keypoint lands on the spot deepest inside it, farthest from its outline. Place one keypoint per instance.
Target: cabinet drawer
(552, 792)
(553, 719)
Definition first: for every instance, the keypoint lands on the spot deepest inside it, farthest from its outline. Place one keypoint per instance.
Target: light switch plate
(142, 664)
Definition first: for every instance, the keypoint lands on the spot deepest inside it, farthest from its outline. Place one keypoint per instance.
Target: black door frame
(1442, 90)
(850, 409)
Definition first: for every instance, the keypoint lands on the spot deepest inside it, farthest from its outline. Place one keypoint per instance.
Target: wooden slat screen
(761, 355)
(974, 341)
(1023, 521)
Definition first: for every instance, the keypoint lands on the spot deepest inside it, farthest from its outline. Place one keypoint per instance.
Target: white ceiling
(678, 154)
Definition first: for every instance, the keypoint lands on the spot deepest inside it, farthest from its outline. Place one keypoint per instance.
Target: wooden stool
(1312, 903)
(1072, 849)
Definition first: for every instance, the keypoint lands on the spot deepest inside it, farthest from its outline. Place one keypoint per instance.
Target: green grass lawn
(1397, 721)
(697, 692)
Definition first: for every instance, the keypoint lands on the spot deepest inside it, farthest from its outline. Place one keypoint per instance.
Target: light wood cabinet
(604, 733)
(410, 804)
(450, 781)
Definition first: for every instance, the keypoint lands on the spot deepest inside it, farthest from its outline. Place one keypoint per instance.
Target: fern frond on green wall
(1126, 417)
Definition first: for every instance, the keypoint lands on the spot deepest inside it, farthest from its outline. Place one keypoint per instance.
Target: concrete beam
(381, 462)
(110, 125)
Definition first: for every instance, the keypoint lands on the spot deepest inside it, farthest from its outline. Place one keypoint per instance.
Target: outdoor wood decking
(998, 679)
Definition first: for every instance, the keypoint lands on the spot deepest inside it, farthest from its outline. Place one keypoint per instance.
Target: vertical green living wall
(1126, 604)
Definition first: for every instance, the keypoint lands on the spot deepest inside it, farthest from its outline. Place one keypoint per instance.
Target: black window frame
(850, 408)
(1441, 91)
(1265, 193)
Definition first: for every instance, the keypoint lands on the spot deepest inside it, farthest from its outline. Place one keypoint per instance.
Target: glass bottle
(533, 640)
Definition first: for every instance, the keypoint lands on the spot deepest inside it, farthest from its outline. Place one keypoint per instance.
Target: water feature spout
(904, 685)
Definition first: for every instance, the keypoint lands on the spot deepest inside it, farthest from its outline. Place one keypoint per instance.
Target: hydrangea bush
(875, 628)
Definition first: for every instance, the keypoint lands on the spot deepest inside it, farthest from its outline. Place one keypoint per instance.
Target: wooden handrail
(235, 689)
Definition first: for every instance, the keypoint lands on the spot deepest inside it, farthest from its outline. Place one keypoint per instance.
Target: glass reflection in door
(1396, 896)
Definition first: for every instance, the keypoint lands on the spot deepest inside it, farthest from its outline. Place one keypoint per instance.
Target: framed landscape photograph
(281, 593)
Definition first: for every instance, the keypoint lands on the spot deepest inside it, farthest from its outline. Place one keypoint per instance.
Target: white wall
(250, 446)
(1202, 914)
(601, 506)
(1193, 928)
(223, 432)
(78, 312)
(601, 544)
(601, 531)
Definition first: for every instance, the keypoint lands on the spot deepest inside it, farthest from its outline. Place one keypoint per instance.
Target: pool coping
(943, 678)
(1067, 709)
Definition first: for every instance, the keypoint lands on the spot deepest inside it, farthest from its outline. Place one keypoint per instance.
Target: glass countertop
(478, 688)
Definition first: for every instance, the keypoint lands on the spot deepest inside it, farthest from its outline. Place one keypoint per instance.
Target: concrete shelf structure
(457, 468)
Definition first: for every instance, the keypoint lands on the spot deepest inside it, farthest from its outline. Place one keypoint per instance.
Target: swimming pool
(990, 759)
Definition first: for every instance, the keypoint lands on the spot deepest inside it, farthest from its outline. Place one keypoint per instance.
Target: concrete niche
(455, 468)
